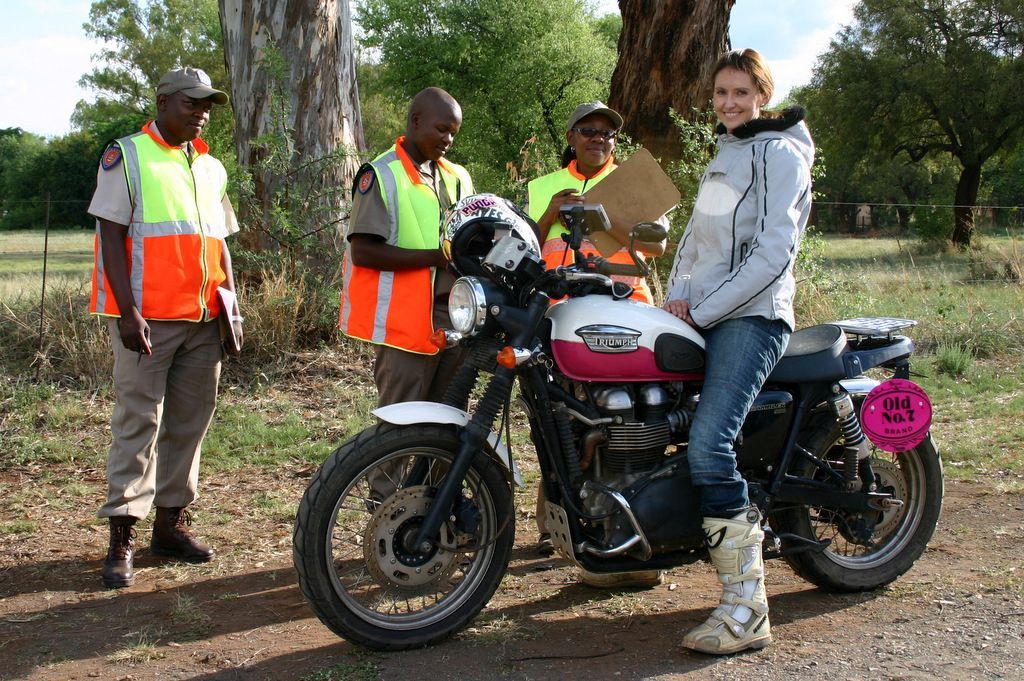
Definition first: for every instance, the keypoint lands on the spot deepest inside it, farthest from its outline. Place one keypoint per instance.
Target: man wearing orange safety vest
(162, 217)
(396, 285)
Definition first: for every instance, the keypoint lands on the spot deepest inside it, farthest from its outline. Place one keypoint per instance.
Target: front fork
(474, 435)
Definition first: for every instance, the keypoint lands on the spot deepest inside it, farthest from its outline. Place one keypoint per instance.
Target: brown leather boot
(118, 570)
(171, 537)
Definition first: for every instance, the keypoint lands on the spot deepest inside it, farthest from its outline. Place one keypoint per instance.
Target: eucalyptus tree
(296, 110)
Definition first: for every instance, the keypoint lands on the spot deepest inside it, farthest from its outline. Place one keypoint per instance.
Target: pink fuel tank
(596, 338)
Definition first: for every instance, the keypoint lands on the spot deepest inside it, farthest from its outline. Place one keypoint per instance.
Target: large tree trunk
(963, 210)
(321, 119)
(667, 49)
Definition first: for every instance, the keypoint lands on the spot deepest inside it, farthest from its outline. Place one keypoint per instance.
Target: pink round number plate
(896, 415)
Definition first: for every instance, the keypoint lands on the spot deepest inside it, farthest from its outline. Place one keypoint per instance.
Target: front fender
(410, 413)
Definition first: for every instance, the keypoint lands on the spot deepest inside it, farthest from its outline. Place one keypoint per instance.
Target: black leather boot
(118, 570)
(171, 537)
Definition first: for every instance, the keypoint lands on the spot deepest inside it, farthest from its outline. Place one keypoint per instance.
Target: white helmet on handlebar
(475, 223)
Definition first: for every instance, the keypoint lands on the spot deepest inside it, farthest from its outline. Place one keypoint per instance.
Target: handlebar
(611, 268)
(573, 275)
(566, 280)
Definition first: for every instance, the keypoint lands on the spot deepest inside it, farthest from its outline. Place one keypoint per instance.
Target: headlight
(467, 306)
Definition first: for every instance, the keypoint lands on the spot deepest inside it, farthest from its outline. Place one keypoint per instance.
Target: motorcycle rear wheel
(366, 584)
(900, 534)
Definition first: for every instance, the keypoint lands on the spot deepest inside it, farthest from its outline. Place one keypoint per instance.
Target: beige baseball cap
(193, 82)
(587, 108)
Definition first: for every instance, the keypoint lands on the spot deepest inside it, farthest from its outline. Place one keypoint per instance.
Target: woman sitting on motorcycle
(732, 279)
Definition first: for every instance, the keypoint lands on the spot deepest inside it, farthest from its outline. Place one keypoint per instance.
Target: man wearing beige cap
(162, 216)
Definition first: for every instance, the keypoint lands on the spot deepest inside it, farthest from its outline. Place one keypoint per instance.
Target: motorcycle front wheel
(354, 548)
(869, 550)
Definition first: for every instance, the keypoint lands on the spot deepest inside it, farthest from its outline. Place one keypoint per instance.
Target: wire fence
(926, 220)
(859, 219)
(865, 218)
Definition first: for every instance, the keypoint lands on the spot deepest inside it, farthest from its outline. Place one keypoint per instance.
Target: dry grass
(501, 629)
(143, 649)
(72, 349)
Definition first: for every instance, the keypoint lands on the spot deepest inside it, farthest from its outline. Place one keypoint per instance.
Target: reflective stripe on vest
(395, 308)
(540, 190)
(176, 233)
(555, 251)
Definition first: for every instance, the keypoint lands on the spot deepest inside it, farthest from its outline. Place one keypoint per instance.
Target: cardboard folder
(228, 308)
(637, 191)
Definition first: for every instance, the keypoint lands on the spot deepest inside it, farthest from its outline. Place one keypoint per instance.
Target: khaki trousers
(407, 377)
(165, 404)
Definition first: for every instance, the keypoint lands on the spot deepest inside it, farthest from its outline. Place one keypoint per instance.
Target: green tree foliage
(921, 80)
(517, 72)
(143, 39)
(697, 144)
(20, 151)
(1005, 179)
(37, 176)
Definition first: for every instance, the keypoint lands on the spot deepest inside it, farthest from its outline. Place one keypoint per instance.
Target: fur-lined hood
(787, 124)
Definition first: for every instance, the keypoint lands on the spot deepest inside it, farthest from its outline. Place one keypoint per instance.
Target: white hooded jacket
(737, 253)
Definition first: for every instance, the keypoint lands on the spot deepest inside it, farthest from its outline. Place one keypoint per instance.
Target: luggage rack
(874, 327)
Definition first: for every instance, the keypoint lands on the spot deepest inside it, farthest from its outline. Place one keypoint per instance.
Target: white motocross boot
(741, 619)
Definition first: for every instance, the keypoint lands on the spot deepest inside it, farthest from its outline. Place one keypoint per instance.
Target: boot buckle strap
(731, 598)
(753, 573)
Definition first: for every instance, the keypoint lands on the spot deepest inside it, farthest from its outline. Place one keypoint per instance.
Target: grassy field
(286, 407)
(68, 262)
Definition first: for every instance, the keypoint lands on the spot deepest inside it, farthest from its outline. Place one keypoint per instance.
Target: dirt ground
(958, 614)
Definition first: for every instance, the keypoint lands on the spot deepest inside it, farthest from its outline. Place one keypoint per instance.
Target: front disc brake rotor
(388, 543)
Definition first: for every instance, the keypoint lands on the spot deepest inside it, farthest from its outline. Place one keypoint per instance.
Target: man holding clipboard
(162, 220)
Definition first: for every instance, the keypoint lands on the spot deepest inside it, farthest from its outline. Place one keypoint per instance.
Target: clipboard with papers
(228, 310)
(637, 191)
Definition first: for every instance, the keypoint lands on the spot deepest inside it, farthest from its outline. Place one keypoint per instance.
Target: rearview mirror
(650, 232)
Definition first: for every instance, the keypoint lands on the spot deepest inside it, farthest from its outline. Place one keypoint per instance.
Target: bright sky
(46, 51)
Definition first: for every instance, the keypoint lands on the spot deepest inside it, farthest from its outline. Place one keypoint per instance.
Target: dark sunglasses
(591, 133)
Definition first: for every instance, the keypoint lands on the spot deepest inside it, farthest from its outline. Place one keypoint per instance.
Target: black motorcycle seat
(814, 354)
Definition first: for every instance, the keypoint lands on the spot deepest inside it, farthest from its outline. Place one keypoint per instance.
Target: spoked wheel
(355, 546)
(868, 550)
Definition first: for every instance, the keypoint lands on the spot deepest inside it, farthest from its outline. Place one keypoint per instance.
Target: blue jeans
(739, 355)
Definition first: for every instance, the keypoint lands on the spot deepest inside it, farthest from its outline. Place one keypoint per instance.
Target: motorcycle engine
(637, 441)
(646, 419)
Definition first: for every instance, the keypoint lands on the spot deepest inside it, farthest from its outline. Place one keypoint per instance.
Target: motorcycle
(406, 531)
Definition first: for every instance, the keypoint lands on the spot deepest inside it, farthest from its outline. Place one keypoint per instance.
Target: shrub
(75, 348)
(953, 360)
(286, 310)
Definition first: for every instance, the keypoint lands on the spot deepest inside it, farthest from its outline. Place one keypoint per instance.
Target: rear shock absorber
(855, 444)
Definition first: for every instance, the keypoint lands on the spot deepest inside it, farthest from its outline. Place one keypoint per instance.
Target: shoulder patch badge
(365, 182)
(111, 157)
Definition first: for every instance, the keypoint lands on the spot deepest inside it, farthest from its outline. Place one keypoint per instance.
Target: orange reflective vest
(395, 308)
(555, 251)
(176, 233)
